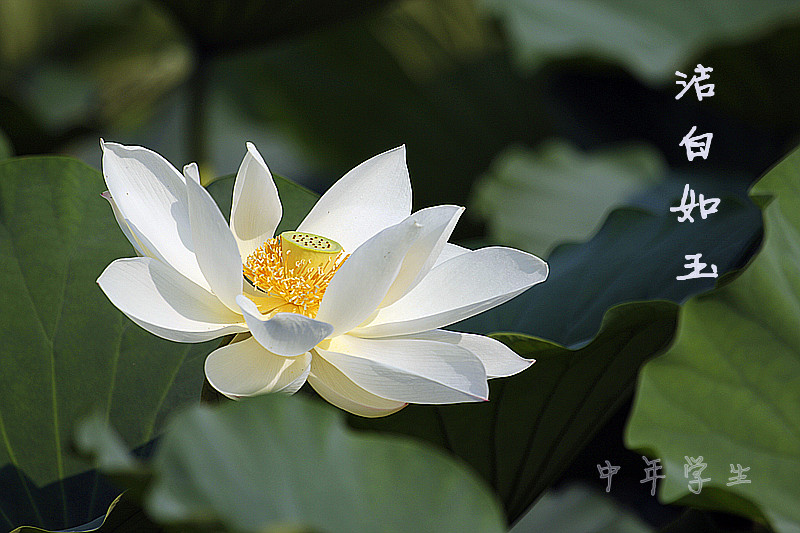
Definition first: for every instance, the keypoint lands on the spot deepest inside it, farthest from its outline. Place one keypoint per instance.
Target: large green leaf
(729, 388)
(66, 349)
(536, 199)
(579, 509)
(651, 38)
(278, 461)
(534, 423)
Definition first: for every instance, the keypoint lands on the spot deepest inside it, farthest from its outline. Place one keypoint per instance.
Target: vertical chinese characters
(696, 146)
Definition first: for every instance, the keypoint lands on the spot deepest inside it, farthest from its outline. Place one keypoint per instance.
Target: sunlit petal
(164, 302)
(437, 225)
(214, 244)
(413, 371)
(498, 359)
(256, 209)
(362, 281)
(246, 368)
(465, 285)
(335, 387)
(151, 194)
(371, 197)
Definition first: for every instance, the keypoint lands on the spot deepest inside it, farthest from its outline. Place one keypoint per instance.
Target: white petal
(246, 368)
(151, 194)
(463, 286)
(371, 197)
(362, 281)
(498, 359)
(437, 226)
(295, 385)
(450, 251)
(214, 244)
(413, 371)
(286, 334)
(338, 389)
(165, 303)
(256, 209)
(126, 228)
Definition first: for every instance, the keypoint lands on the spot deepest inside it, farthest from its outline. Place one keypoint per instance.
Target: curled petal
(413, 371)
(256, 209)
(459, 288)
(338, 389)
(246, 368)
(498, 359)
(371, 197)
(286, 334)
(166, 303)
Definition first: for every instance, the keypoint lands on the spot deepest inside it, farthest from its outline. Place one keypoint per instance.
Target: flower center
(293, 270)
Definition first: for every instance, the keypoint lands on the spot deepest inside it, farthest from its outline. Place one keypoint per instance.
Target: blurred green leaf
(430, 75)
(66, 349)
(534, 423)
(28, 28)
(107, 68)
(285, 461)
(534, 200)
(579, 509)
(221, 25)
(121, 70)
(650, 38)
(729, 388)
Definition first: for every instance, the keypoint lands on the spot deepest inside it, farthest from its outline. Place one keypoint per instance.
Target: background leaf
(636, 255)
(66, 349)
(534, 200)
(285, 461)
(735, 398)
(650, 38)
(579, 509)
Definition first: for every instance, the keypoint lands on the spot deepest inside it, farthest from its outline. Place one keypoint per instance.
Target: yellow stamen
(294, 270)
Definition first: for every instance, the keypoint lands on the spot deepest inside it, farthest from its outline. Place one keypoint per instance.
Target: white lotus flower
(351, 302)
